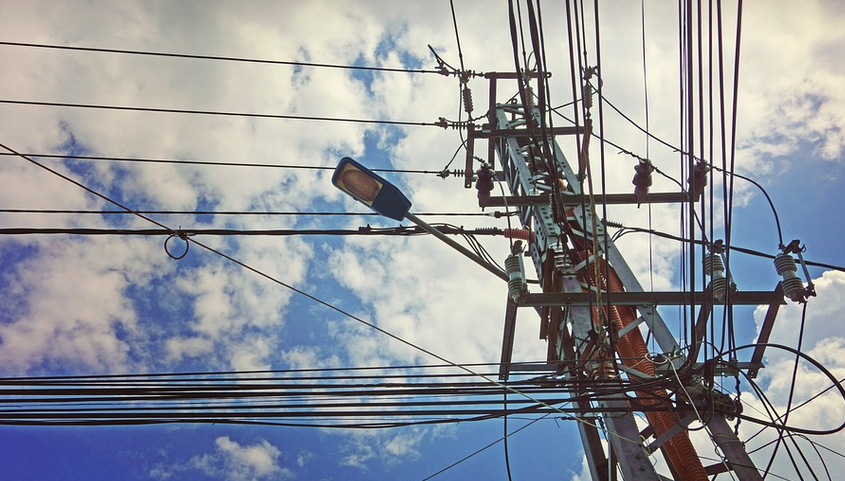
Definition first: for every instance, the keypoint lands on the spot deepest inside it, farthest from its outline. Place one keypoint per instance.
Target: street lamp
(386, 199)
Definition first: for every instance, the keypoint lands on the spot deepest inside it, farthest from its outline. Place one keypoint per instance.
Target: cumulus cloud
(105, 305)
(823, 407)
(230, 461)
(392, 448)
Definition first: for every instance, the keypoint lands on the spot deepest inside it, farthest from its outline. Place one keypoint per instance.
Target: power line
(217, 113)
(397, 231)
(189, 241)
(233, 212)
(442, 173)
(217, 58)
(665, 235)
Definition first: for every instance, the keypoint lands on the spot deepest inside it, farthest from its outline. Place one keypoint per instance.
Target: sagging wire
(624, 230)
(792, 384)
(490, 445)
(277, 281)
(836, 384)
(698, 159)
(88, 189)
(815, 445)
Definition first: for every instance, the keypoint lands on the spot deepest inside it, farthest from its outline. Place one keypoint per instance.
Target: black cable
(216, 57)
(353, 317)
(505, 435)
(479, 451)
(812, 443)
(388, 231)
(457, 36)
(215, 113)
(826, 372)
(791, 394)
(442, 173)
(86, 188)
(677, 149)
(256, 271)
(627, 229)
(234, 212)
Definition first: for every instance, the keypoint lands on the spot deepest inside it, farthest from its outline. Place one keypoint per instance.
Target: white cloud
(69, 312)
(392, 448)
(304, 458)
(824, 340)
(584, 473)
(71, 301)
(230, 461)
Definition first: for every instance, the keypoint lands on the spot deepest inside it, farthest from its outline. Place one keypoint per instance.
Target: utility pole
(594, 313)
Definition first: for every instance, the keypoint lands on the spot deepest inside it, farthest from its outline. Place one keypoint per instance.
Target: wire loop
(182, 235)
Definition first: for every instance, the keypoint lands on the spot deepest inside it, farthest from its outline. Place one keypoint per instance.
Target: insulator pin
(792, 285)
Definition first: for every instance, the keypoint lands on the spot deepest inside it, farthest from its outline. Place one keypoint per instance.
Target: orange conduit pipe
(631, 347)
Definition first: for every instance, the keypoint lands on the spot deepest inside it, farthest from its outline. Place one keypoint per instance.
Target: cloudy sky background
(74, 305)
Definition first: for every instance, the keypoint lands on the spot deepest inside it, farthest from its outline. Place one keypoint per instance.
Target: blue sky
(105, 305)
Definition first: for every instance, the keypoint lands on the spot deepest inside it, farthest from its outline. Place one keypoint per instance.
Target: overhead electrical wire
(388, 396)
(238, 212)
(441, 173)
(418, 395)
(279, 282)
(627, 229)
(125, 108)
(678, 149)
(484, 448)
(217, 58)
(190, 232)
(166, 231)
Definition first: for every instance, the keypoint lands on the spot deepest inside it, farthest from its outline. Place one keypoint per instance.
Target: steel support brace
(624, 439)
(507, 340)
(766, 329)
(544, 203)
(733, 450)
(593, 449)
(639, 299)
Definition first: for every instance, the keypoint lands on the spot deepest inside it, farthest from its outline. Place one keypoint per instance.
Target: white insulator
(713, 264)
(792, 285)
(715, 268)
(515, 269)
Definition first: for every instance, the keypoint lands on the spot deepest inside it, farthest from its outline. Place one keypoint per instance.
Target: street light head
(360, 185)
(370, 189)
